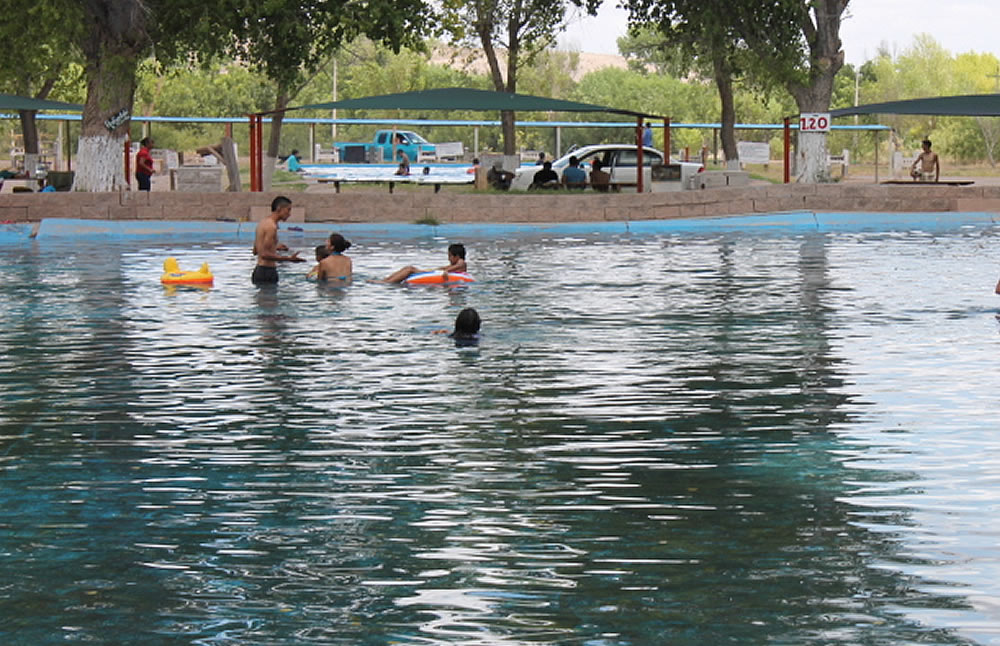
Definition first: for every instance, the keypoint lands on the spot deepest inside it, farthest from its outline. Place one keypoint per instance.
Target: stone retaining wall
(410, 206)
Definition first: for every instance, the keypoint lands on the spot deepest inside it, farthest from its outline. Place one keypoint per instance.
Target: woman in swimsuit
(336, 266)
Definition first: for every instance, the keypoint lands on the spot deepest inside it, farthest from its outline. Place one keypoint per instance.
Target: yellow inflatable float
(172, 274)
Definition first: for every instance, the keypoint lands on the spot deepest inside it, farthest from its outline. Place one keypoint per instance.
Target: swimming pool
(761, 430)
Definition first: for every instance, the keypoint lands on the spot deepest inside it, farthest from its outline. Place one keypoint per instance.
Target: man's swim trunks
(264, 275)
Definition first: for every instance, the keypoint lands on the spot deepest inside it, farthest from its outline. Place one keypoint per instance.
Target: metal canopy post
(128, 155)
(788, 146)
(260, 153)
(876, 156)
(253, 153)
(638, 156)
(666, 139)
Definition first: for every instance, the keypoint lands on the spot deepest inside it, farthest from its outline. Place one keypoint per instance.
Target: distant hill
(473, 61)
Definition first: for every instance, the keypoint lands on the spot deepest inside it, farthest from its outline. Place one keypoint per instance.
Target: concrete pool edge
(496, 207)
(793, 221)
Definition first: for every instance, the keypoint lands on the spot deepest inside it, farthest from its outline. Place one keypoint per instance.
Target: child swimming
(467, 325)
(456, 263)
(322, 251)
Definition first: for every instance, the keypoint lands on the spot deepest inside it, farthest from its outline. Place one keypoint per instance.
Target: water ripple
(666, 438)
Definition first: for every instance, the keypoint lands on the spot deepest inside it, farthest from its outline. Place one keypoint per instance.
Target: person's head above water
(467, 323)
(457, 250)
(338, 243)
(321, 252)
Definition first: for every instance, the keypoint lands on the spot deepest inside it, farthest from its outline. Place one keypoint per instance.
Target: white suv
(619, 160)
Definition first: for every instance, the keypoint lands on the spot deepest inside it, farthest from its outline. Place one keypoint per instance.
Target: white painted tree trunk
(99, 164)
(812, 165)
(268, 171)
(31, 164)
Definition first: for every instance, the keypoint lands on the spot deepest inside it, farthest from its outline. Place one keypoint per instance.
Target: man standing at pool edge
(266, 246)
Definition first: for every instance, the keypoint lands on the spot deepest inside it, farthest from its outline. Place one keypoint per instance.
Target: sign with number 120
(814, 122)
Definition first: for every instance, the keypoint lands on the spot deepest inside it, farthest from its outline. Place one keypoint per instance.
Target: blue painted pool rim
(787, 222)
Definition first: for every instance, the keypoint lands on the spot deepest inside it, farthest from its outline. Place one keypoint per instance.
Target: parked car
(618, 159)
(416, 148)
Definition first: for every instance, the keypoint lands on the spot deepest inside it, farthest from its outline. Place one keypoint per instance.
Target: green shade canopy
(973, 105)
(459, 98)
(12, 102)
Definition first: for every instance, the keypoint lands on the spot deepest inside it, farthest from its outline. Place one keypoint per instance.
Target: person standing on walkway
(266, 246)
(647, 135)
(144, 164)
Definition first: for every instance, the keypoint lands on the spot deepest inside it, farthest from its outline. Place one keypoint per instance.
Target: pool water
(668, 434)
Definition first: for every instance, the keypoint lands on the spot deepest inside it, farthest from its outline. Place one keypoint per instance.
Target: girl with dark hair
(336, 266)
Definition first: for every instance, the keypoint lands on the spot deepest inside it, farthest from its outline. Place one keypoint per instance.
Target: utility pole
(996, 77)
(333, 126)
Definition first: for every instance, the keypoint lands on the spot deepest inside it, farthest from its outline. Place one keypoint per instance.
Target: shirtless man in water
(266, 246)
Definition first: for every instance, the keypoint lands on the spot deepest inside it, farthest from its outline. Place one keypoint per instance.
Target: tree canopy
(204, 71)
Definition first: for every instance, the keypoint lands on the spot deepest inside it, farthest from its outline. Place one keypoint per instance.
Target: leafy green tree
(185, 90)
(682, 101)
(367, 68)
(977, 74)
(810, 80)
(512, 33)
(39, 53)
(925, 69)
(285, 39)
(715, 39)
(112, 37)
(646, 49)
(797, 43)
(290, 41)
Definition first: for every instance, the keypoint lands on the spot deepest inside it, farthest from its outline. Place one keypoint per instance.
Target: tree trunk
(509, 130)
(274, 140)
(116, 36)
(812, 166)
(29, 136)
(724, 82)
(813, 154)
(506, 117)
(825, 60)
(111, 79)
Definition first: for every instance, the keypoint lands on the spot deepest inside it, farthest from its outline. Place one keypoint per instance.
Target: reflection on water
(674, 438)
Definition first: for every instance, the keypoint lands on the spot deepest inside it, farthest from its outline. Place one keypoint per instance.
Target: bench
(418, 179)
(26, 185)
(718, 179)
(943, 182)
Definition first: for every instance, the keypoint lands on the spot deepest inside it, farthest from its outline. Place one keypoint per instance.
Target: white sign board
(752, 152)
(814, 122)
(450, 149)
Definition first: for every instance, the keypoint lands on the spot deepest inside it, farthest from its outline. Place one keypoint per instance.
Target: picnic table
(943, 182)
(422, 180)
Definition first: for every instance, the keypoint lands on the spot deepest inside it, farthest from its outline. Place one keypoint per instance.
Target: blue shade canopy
(972, 105)
(13, 102)
(460, 98)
